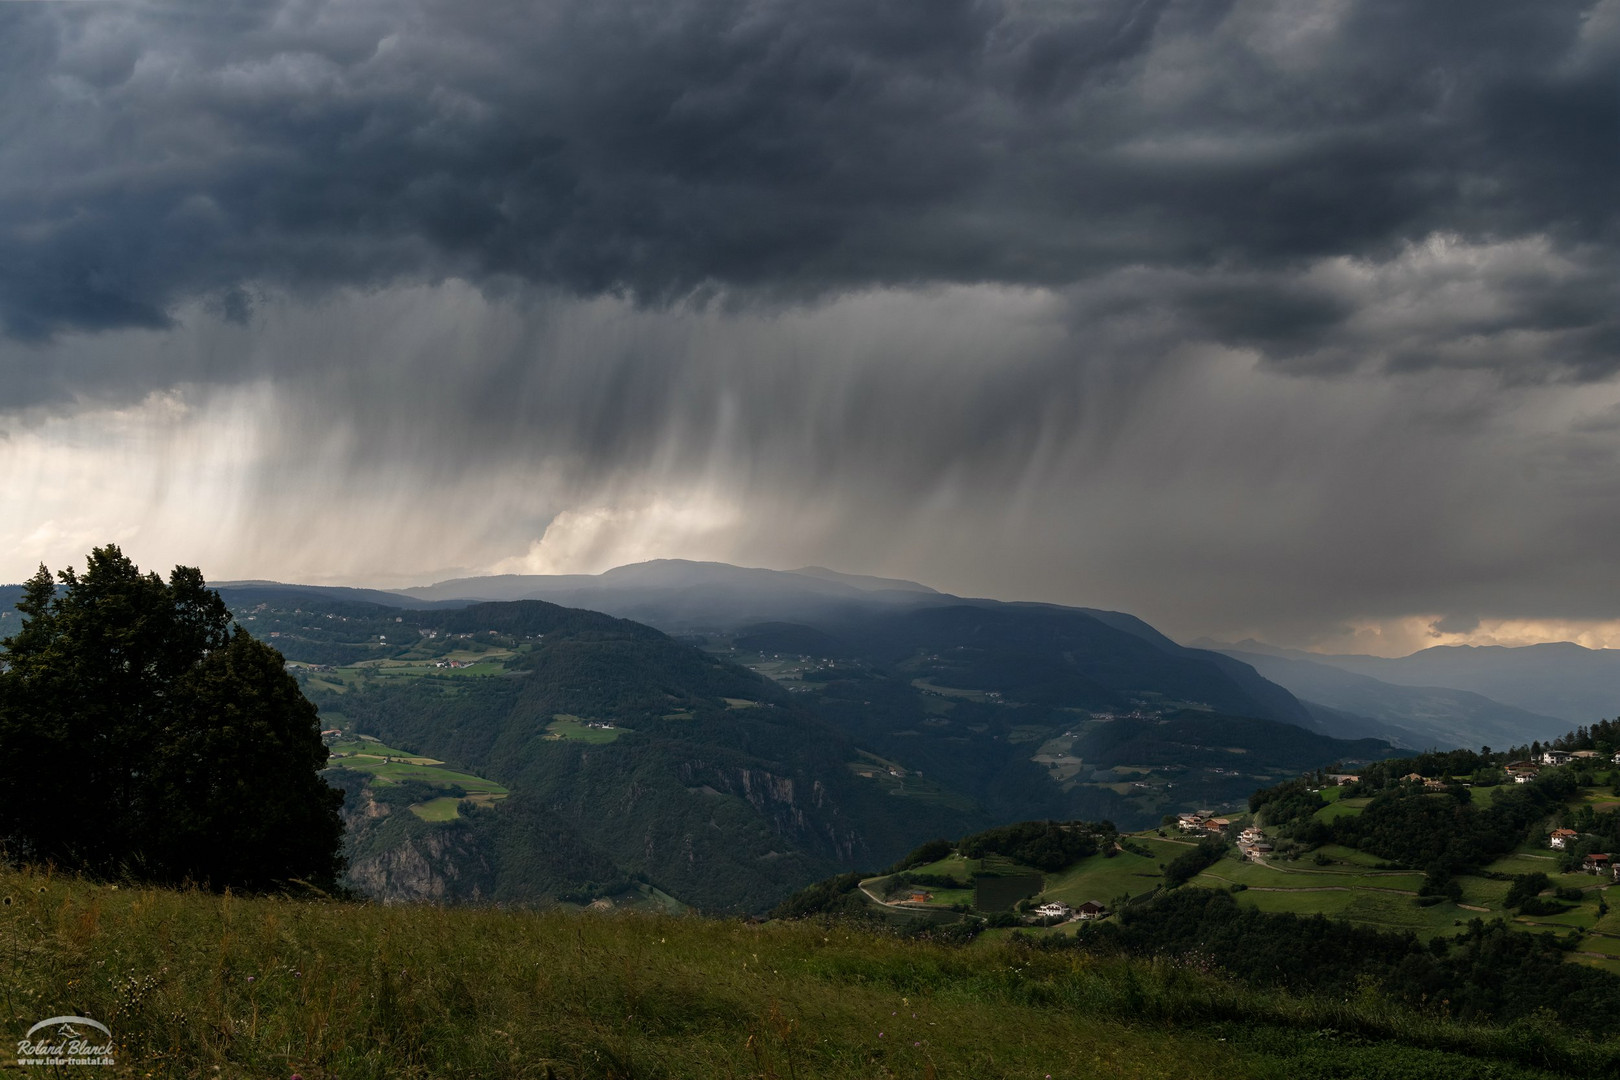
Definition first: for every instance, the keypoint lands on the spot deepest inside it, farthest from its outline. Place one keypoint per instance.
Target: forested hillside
(711, 784)
(728, 787)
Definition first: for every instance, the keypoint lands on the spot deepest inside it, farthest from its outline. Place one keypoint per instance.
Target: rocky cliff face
(799, 812)
(396, 858)
(435, 865)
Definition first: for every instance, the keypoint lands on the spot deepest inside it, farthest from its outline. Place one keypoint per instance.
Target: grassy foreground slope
(202, 985)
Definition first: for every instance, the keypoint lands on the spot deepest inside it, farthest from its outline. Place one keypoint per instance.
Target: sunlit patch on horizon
(1404, 636)
(593, 539)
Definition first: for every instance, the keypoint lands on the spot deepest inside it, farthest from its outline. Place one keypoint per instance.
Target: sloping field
(1102, 879)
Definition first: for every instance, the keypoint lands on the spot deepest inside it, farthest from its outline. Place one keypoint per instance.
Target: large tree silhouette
(141, 735)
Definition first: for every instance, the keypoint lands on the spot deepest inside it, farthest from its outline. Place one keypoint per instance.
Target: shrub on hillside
(1044, 845)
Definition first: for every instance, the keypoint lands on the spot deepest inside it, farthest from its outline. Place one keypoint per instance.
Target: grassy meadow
(578, 729)
(199, 985)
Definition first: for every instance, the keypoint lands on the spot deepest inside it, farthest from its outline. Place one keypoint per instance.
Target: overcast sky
(1297, 319)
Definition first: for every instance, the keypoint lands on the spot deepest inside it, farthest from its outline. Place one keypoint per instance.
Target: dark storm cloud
(159, 155)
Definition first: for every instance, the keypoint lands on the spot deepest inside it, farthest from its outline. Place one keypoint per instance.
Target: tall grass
(198, 985)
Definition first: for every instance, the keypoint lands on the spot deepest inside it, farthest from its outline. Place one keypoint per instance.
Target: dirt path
(904, 904)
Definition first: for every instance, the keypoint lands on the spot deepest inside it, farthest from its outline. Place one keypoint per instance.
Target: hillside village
(1283, 854)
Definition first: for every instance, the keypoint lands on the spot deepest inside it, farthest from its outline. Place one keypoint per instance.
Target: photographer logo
(66, 1040)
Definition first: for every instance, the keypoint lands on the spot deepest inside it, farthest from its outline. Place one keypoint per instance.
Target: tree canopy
(142, 735)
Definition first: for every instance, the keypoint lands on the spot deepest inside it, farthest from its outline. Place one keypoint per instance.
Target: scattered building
(1252, 842)
(1555, 757)
(1090, 910)
(1561, 838)
(1597, 864)
(1217, 825)
(1342, 779)
(1057, 909)
(1523, 771)
(1192, 821)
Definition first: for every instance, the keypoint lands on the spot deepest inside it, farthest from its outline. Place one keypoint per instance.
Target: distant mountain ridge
(1444, 696)
(1558, 680)
(1425, 715)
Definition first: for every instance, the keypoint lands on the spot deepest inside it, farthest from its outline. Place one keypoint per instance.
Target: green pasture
(371, 748)
(1301, 876)
(950, 866)
(1339, 808)
(397, 771)
(1347, 855)
(1483, 892)
(370, 756)
(1581, 916)
(1100, 878)
(953, 691)
(1165, 848)
(1602, 943)
(1524, 862)
(575, 729)
(1385, 911)
(425, 669)
(440, 809)
(1605, 963)
(947, 897)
